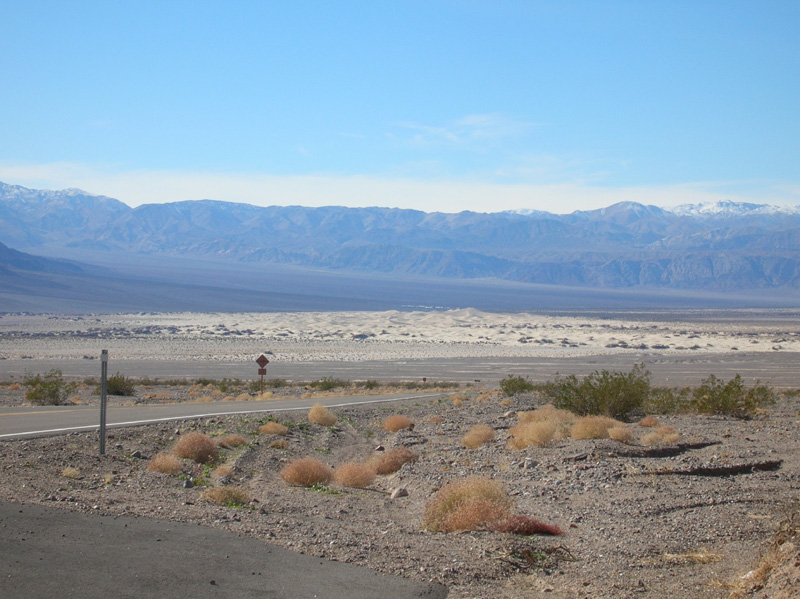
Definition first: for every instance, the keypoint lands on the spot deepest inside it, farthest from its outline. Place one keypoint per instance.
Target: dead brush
(622, 434)
(164, 463)
(663, 435)
(466, 505)
(228, 496)
(306, 472)
(273, 428)
(397, 422)
(391, 460)
(593, 427)
(319, 414)
(523, 525)
(477, 436)
(649, 422)
(231, 441)
(531, 434)
(196, 446)
(354, 474)
(562, 419)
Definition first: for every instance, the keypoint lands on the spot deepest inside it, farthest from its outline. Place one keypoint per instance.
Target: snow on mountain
(729, 208)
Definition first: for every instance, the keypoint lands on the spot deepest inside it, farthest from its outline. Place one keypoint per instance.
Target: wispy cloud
(467, 130)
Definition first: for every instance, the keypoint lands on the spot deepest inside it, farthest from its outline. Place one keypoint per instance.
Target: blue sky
(435, 105)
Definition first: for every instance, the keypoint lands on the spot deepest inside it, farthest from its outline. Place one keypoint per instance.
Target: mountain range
(724, 247)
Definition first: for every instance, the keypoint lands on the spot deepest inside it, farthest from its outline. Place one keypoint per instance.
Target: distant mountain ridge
(727, 246)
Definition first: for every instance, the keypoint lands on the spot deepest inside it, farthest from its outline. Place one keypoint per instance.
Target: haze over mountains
(721, 248)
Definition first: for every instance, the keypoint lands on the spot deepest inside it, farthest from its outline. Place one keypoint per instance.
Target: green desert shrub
(514, 385)
(49, 389)
(328, 384)
(714, 396)
(467, 505)
(120, 385)
(196, 446)
(603, 393)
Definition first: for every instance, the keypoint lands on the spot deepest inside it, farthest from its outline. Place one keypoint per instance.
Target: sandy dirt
(689, 519)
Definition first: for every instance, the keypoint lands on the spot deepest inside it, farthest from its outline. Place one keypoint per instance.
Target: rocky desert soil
(689, 519)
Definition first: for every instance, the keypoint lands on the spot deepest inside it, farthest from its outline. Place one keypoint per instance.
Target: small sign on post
(103, 396)
(262, 362)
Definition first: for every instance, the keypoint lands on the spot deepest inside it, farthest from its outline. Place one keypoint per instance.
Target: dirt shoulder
(640, 521)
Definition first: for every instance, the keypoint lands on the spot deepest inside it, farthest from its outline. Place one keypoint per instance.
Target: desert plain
(689, 518)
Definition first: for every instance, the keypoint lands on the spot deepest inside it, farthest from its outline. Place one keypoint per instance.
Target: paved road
(35, 421)
(48, 552)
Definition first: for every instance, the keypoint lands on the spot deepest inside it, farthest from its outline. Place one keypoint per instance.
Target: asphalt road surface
(34, 421)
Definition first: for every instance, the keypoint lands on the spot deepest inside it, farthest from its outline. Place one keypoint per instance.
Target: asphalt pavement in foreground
(50, 552)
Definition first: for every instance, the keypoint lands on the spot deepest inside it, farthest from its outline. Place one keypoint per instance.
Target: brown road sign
(262, 371)
(262, 361)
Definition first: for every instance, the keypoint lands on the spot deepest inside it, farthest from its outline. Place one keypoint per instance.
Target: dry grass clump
(279, 444)
(663, 435)
(223, 472)
(273, 428)
(523, 525)
(505, 403)
(196, 446)
(354, 474)
(164, 463)
(319, 414)
(14, 387)
(231, 441)
(538, 427)
(435, 420)
(531, 434)
(397, 422)
(229, 496)
(392, 460)
(466, 505)
(306, 472)
(649, 422)
(477, 436)
(593, 427)
(623, 434)
(70, 472)
(243, 397)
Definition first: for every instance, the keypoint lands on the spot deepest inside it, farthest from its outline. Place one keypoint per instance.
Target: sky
(434, 105)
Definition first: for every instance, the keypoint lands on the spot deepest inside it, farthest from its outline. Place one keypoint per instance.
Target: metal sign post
(262, 362)
(103, 377)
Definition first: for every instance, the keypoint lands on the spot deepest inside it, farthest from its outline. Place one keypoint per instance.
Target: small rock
(380, 448)
(399, 492)
(188, 484)
(136, 454)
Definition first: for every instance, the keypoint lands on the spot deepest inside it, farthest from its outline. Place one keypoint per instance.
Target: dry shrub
(561, 419)
(70, 472)
(229, 398)
(457, 401)
(279, 444)
(621, 433)
(397, 422)
(196, 446)
(229, 496)
(204, 399)
(649, 422)
(663, 435)
(477, 436)
(435, 420)
(263, 396)
(523, 525)
(273, 428)
(164, 463)
(354, 474)
(231, 441)
(466, 505)
(223, 472)
(14, 387)
(319, 414)
(593, 427)
(243, 397)
(306, 472)
(391, 460)
(531, 434)
(505, 403)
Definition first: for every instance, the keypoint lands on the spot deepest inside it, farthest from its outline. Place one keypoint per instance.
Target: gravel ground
(685, 520)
